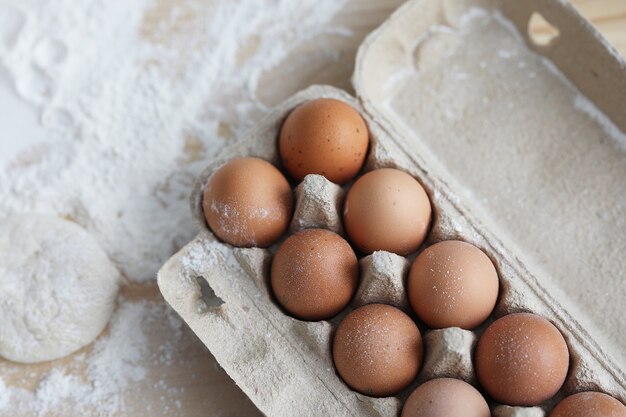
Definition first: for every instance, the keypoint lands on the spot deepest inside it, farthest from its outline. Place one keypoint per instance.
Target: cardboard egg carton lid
(515, 161)
(528, 139)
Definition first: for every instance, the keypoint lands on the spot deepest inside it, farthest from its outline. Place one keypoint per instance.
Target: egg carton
(284, 364)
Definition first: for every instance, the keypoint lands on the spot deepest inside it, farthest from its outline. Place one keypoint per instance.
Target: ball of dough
(57, 288)
(445, 397)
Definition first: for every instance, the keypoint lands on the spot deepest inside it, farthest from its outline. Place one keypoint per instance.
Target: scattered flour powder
(135, 105)
(131, 99)
(115, 361)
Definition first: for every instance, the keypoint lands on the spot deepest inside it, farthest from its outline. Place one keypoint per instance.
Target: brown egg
(452, 284)
(388, 210)
(248, 202)
(377, 350)
(521, 359)
(314, 274)
(445, 397)
(326, 137)
(589, 404)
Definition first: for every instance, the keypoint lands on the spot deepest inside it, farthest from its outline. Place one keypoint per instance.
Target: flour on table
(116, 362)
(132, 117)
(132, 99)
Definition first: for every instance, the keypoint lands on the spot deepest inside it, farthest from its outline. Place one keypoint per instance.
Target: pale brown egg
(521, 359)
(314, 274)
(589, 404)
(377, 350)
(387, 209)
(445, 397)
(324, 136)
(452, 284)
(248, 202)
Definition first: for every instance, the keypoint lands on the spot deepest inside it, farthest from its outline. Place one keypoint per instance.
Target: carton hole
(540, 31)
(208, 299)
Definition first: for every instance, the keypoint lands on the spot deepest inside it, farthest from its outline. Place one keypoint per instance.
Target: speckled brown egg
(377, 350)
(589, 404)
(452, 284)
(521, 359)
(314, 274)
(248, 202)
(387, 209)
(445, 397)
(324, 136)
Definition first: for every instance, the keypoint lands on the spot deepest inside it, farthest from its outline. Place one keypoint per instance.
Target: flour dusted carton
(518, 147)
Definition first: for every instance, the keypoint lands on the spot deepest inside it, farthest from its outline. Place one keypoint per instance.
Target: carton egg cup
(284, 364)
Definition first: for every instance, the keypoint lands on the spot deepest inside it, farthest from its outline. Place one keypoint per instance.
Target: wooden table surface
(199, 386)
(609, 17)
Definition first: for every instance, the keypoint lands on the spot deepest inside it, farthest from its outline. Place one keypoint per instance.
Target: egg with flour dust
(521, 360)
(314, 274)
(445, 397)
(387, 209)
(324, 136)
(589, 404)
(377, 350)
(248, 202)
(452, 284)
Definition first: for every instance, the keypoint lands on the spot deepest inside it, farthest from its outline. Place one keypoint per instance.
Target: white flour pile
(134, 113)
(109, 110)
